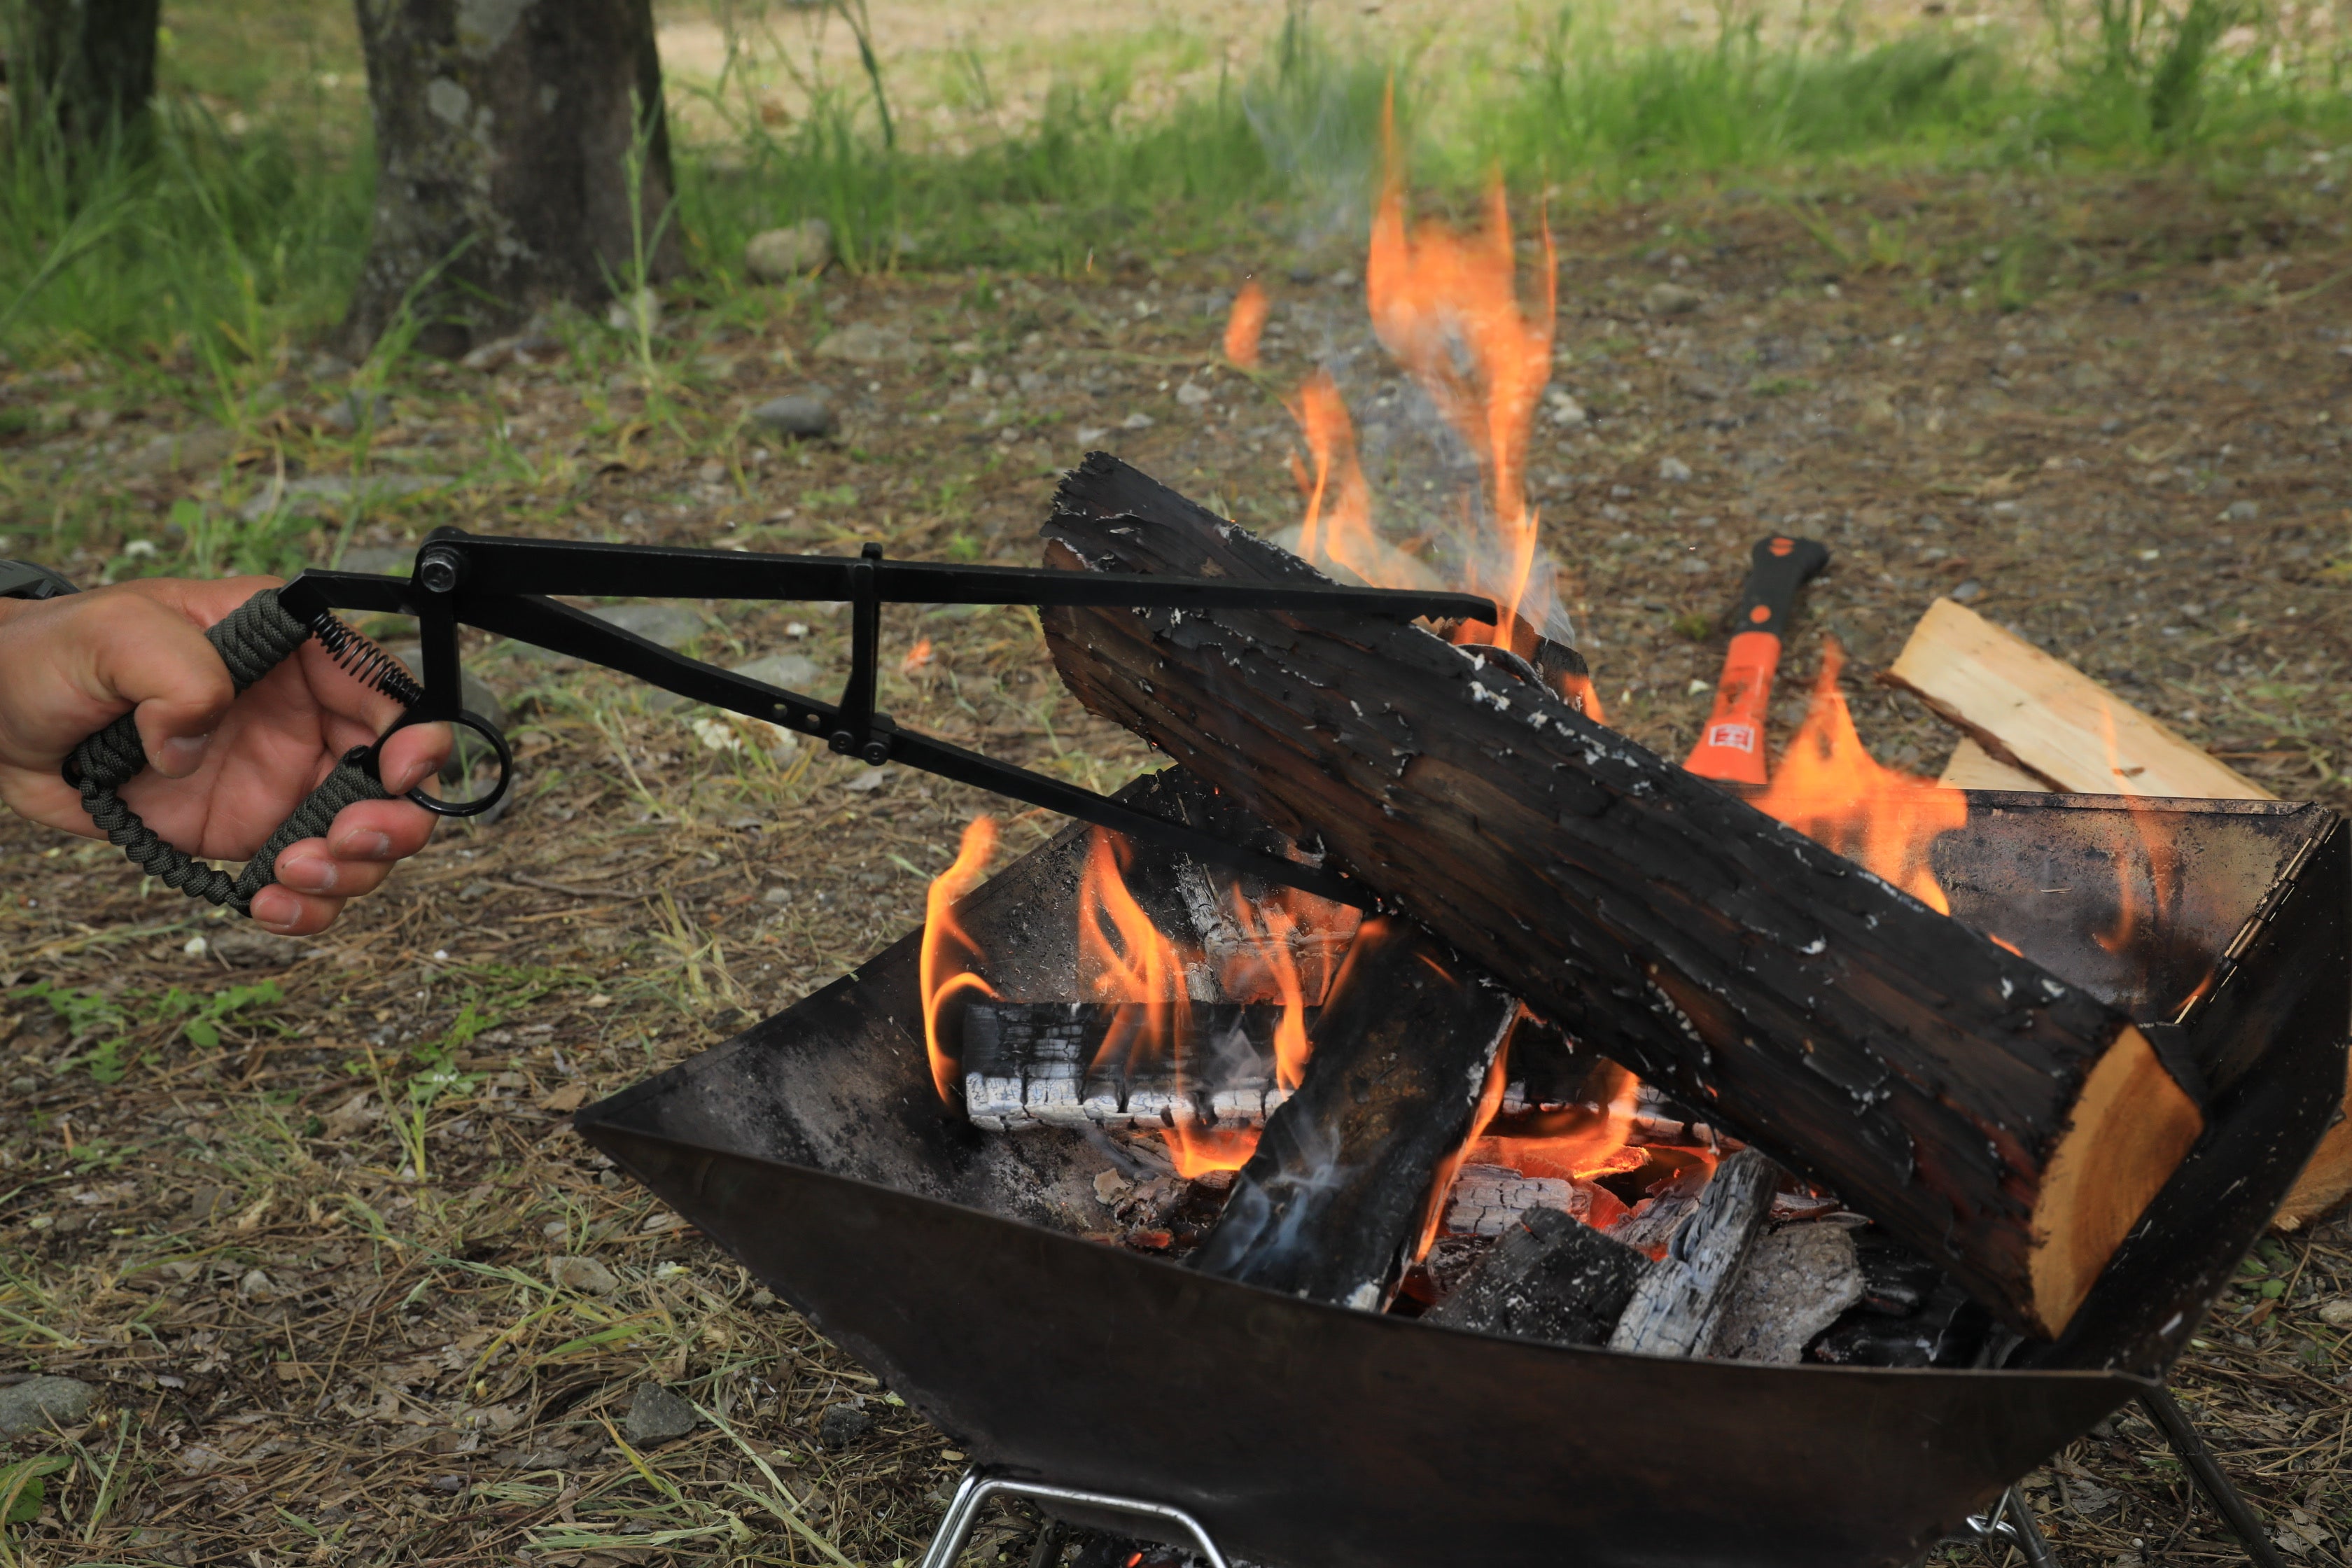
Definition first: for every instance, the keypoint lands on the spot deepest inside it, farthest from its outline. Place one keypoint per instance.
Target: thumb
(155, 658)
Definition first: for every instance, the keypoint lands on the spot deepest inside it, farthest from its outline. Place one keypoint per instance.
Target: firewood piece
(1487, 1200)
(1650, 1224)
(1948, 1330)
(1970, 766)
(1551, 1277)
(2039, 713)
(1995, 1117)
(1043, 1064)
(1799, 1279)
(1683, 1295)
(1336, 1200)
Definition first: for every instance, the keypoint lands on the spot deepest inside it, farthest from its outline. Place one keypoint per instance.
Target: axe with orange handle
(1731, 747)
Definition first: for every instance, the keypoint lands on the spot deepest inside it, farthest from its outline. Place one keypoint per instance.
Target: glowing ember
(1575, 1142)
(948, 951)
(1831, 789)
(1243, 327)
(1268, 962)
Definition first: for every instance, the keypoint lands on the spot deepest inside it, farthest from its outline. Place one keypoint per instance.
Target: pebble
(1192, 394)
(864, 342)
(780, 255)
(795, 413)
(842, 1425)
(641, 311)
(38, 1403)
(2338, 1314)
(655, 1415)
(1674, 470)
(1969, 592)
(2241, 512)
(1672, 299)
(586, 1275)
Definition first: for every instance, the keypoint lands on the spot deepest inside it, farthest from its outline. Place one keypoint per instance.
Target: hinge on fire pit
(963, 1513)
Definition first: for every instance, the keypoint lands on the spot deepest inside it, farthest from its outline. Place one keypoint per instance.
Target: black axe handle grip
(1778, 566)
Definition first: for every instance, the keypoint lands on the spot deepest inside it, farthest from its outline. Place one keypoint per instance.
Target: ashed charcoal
(1548, 1278)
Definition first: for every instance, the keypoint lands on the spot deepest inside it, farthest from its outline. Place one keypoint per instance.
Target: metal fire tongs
(502, 585)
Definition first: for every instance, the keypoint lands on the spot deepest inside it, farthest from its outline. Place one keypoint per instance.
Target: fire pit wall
(813, 1147)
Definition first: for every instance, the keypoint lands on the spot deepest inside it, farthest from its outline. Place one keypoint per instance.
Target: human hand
(221, 774)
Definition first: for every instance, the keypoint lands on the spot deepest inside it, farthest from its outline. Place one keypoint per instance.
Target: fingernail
(181, 755)
(315, 875)
(363, 846)
(276, 910)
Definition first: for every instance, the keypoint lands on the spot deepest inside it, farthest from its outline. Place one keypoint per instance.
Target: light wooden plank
(2044, 716)
(1970, 766)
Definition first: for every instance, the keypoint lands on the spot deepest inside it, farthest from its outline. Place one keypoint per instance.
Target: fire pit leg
(2174, 1422)
(2012, 1524)
(963, 1513)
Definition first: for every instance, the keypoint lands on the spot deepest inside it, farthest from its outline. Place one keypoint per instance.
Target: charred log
(1989, 1114)
(1336, 1201)
(1550, 1278)
(1798, 1279)
(1684, 1296)
(1076, 1064)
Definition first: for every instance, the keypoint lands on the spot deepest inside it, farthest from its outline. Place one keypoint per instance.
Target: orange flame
(1577, 1142)
(1447, 306)
(1339, 527)
(1243, 327)
(1490, 1100)
(947, 949)
(1829, 788)
(1267, 962)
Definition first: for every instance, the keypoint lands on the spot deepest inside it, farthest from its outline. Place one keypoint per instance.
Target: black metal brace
(502, 585)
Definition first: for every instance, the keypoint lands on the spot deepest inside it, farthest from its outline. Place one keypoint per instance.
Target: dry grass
(306, 1247)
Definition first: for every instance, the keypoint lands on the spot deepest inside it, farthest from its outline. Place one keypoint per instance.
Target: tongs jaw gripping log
(503, 585)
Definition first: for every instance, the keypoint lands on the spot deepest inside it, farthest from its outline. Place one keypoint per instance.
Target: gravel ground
(300, 1211)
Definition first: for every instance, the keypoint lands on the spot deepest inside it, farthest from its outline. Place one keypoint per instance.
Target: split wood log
(2041, 715)
(1798, 1280)
(1336, 1199)
(1550, 1278)
(1986, 1112)
(2031, 721)
(1683, 1295)
(1653, 1222)
(1078, 1064)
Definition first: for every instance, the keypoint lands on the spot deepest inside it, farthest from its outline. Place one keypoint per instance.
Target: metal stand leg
(2173, 1422)
(2011, 1522)
(963, 1513)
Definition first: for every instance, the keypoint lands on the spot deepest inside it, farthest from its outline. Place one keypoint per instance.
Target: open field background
(2058, 317)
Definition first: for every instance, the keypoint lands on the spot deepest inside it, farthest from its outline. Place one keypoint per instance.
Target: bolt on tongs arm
(502, 585)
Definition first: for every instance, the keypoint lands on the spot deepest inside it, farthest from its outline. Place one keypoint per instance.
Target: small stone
(24, 1083)
(639, 313)
(38, 1403)
(1138, 421)
(842, 1425)
(585, 1275)
(1969, 592)
(865, 343)
(254, 949)
(2241, 512)
(793, 671)
(355, 408)
(795, 413)
(255, 1286)
(1192, 394)
(781, 255)
(1568, 413)
(545, 1457)
(1672, 299)
(1674, 470)
(2338, 1314)
(655, 1415)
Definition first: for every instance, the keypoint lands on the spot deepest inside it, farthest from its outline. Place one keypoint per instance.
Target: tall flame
(1338, 526)
(1267, 931)
(1447, 305)
(1490, 1100)
(1576, 1142)
(948, 951)
(1831, 789)
(1243, 327)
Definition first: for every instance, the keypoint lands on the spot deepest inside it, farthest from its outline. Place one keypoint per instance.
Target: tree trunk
(505, 135)
(1981, 1109)
(87, 65)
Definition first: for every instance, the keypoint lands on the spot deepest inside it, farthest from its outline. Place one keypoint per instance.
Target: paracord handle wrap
(253, 639)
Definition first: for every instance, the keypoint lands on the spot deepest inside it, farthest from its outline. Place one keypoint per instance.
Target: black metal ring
(486, 731)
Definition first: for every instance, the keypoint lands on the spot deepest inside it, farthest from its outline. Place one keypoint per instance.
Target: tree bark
(87, 65)
(505, 132)
(1984, 1111)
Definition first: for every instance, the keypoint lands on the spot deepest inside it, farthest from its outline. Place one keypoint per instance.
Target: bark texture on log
(1982, 1109)
(503, 130)
(86, 65)
(1336, 1200)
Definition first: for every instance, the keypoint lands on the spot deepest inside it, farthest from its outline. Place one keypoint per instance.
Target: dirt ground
(301, 1210)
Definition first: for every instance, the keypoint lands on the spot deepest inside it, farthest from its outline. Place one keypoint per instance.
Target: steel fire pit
(813, 1149)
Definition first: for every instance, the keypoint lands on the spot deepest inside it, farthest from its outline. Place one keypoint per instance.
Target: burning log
(1984, 1111)
(1060, 1064)
(1338, 1197)
(1550, 1278)
(1798, 1280)
(1684, 1296)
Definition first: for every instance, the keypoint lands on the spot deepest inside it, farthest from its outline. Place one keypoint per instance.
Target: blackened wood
(1650, 1224)
(1682, 1296)
(1045, 1064)
(1796, 1281)
(504, 136)
(1336, 1200)
(1992, 1115)
(1551, 1277)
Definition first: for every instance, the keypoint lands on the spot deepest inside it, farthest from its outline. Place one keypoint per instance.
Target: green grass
(196, 253)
